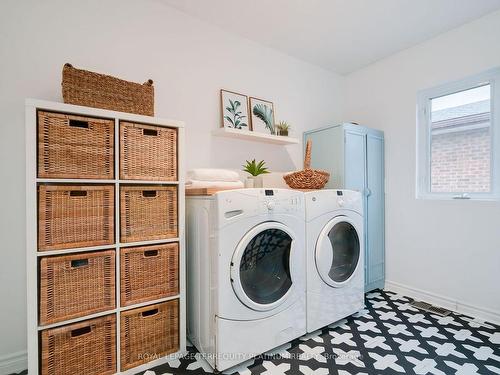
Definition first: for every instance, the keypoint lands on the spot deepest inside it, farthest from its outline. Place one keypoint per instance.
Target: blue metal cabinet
(354, 156)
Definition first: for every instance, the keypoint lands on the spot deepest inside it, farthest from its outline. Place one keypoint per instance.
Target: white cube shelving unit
(33, 255)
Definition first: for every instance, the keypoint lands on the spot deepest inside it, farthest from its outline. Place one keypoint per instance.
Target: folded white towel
(208, 174)
(197, 184)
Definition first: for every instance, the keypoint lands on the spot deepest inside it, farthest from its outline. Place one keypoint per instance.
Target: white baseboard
(13, 363)
(446, 302)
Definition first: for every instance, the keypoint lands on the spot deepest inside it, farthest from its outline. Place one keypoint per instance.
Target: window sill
(447, 197)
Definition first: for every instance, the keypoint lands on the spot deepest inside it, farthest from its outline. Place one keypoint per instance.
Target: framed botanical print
(234, 110)
(262, 116)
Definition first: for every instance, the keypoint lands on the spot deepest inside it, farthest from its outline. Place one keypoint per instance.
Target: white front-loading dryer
(246, 272)
(335, 256)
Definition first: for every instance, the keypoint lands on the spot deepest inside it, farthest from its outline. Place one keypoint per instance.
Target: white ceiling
(339, 35)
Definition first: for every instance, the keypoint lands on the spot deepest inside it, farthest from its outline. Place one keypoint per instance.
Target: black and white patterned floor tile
(387, 337)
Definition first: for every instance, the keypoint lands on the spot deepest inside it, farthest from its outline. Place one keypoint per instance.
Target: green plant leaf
(265, 113)
(255, 168)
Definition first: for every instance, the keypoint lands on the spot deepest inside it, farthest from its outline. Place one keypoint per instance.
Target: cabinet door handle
(368, 192)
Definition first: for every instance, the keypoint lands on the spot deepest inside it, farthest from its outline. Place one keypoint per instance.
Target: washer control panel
(241, 202)
(280, 200)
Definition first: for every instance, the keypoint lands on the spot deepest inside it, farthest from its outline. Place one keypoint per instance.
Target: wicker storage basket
(149, 273)
(84, 348)
(307, 178)
(75, 146)
(72, 216)
(76, 285)
(96, 90)
(148, 212)
(147, 152)
(148, 333)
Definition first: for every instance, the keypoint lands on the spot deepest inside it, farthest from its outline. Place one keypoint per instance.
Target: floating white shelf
(254, 136)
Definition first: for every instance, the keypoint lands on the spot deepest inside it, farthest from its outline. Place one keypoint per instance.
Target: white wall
(448, 248)
(189, 62)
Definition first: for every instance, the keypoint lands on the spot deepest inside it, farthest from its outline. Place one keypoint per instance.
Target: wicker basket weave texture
(148, 273)
(72, 216)
(148, 212)
(76, 285)
(75, 146)
(148, 333)
(147, 152)
(84, 348)
(90, 89)
(307, 178)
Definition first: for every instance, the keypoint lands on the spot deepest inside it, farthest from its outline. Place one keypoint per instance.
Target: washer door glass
(261, 268)
(338, 251)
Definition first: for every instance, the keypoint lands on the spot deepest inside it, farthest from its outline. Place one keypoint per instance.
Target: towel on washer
(197, 184)
(212, 174)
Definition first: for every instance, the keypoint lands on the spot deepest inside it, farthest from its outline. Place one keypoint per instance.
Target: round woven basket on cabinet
(307, 178)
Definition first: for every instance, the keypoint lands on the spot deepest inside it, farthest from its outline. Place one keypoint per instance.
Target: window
(458, 129)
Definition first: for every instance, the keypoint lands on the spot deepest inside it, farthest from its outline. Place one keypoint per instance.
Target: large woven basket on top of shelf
(97, 90)
(307, 178)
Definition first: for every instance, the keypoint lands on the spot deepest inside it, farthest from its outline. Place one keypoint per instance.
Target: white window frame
(423, 167)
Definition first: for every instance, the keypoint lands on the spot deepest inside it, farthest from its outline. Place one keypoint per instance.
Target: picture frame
(262, 116)
(234, 110)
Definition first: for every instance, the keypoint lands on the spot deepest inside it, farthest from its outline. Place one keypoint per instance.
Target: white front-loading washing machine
(335, 256)
(246, 272)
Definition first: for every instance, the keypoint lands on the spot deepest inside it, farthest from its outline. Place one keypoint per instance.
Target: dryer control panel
(324, 201)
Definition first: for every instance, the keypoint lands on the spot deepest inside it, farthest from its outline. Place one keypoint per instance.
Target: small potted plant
(282, 128)
(255, 169)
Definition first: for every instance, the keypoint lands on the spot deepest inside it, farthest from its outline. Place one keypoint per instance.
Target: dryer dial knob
(270, 205)
(340, 202)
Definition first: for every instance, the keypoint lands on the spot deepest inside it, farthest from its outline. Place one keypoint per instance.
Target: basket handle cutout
(151, 312)
(150, 253)
(150, 132)
(79, 263)
(79, 124)
(77, 193)
(81, 331)
(149, 193)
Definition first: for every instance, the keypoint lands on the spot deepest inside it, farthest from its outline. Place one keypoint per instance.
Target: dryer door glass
(265, 266)
(345, 245)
